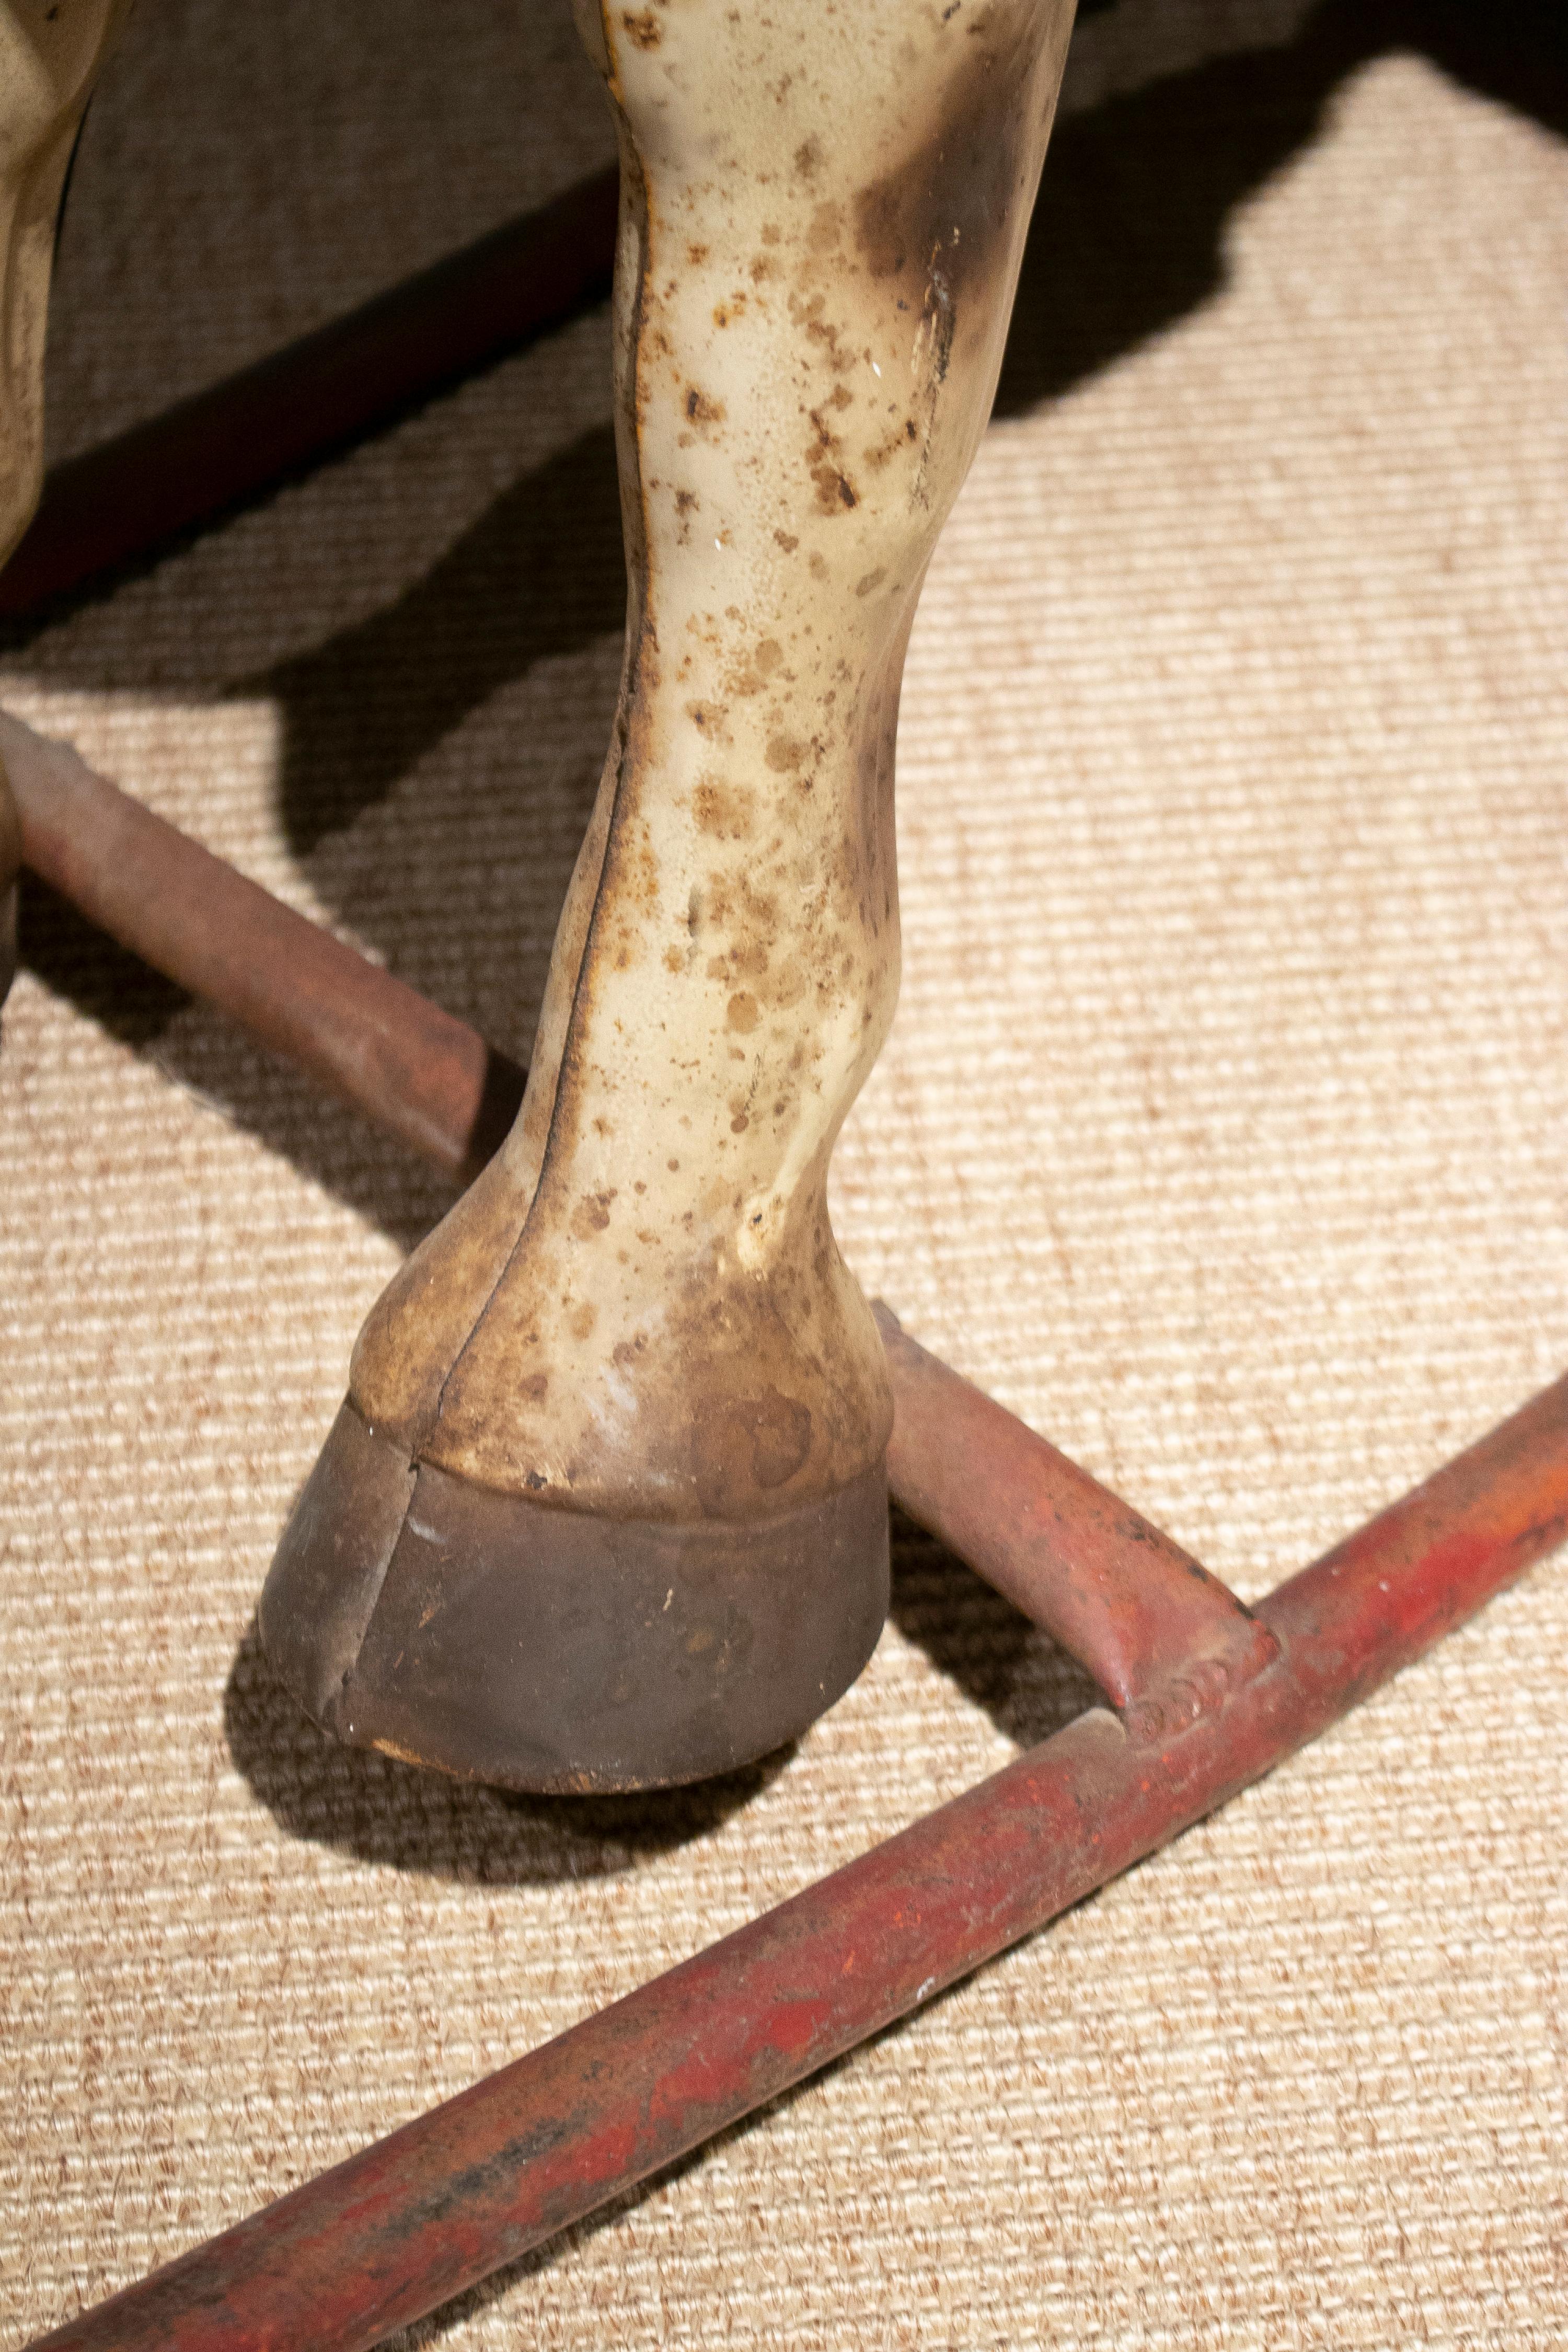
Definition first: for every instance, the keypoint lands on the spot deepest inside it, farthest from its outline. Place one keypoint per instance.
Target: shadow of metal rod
(242, 436)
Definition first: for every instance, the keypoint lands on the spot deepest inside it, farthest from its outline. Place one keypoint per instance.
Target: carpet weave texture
(1222, 1134)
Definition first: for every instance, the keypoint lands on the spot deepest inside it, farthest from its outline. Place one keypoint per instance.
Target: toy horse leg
(605, 1505)
(50, 58)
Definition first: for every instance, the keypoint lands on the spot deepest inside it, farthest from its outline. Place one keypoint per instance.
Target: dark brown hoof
(509, 1641)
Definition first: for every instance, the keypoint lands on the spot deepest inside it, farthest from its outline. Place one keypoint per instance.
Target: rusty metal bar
(253, 430)
(1109, 1586)
(421, 2215)
(367, 1036)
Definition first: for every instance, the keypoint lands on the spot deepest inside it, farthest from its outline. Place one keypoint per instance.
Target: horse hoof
(510, 1641)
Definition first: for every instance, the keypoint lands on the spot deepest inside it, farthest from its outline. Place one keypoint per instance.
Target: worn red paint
(362, 1034)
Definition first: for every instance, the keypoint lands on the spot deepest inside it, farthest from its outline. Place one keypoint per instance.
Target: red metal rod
(1116, 1592)
(427, 2212)
(367, 1036)
(254, 430)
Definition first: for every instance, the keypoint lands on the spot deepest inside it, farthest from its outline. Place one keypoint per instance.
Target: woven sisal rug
(1224, 1134)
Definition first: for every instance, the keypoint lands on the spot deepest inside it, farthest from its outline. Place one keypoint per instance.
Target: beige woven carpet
(1224, 1134)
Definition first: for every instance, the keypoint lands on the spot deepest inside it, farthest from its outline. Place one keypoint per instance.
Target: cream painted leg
(50, 51)
(50, 54)
(610, 1477)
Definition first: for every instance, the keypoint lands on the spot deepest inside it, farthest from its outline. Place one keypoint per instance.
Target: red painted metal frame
(364, 1036)
(1211, 1696)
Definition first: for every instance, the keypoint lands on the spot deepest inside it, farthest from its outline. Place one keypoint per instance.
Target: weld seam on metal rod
(1113, 1590)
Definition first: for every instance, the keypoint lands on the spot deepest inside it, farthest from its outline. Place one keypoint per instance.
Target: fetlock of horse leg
(49, 56)
(606, 1503)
